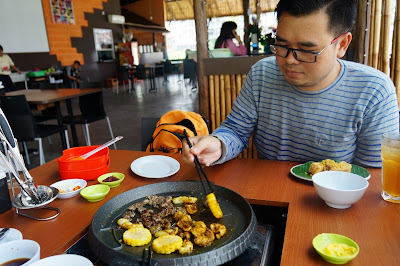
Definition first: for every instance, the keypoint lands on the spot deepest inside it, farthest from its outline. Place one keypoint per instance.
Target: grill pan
(239, 220)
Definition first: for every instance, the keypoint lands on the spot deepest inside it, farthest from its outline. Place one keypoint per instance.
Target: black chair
(123, 77)
(24, 126)
(168, 69)
(190, 72)
(92, 110)
(148, 127)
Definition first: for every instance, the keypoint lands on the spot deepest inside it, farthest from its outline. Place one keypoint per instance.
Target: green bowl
(95, 193)
(322, 240)
(120, 176)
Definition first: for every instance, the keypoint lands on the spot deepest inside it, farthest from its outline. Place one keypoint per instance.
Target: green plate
(301, 171)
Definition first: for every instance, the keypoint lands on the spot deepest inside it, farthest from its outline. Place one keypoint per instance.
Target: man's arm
(235, 131)
(16, 69)
(381, 118)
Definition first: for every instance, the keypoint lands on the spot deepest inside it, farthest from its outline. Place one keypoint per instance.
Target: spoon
(3, 232)
(86, 155)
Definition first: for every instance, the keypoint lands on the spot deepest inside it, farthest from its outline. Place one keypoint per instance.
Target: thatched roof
(183, 9)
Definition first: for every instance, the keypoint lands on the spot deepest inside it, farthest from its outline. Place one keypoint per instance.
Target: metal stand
(18, 210)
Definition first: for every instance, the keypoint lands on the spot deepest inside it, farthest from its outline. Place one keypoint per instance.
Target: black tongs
(211, 199)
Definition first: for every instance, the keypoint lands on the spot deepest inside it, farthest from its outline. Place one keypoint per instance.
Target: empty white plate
(11, 235)
(155, 166)
(64, 260)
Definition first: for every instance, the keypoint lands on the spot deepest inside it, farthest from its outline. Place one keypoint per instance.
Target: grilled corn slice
(184, 199)
(214, 206)
(137, 236)
(167, 244)
(187, 247)
(126, 224)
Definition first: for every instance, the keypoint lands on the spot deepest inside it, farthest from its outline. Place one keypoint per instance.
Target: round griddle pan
(106, 240)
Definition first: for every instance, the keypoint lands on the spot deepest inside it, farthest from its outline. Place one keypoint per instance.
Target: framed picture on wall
(62, 11)
(104, 44)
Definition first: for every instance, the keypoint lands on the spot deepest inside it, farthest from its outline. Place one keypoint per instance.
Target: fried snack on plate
(184, 199)
(342, 166)
(186, 248)
(198, 229)
(329, 164)
(167, 244)
(315, 167)
(214, 206)
(137, 236)
(178, 215)
(218, 229)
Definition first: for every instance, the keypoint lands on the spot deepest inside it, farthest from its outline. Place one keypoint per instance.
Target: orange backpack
(168, 135)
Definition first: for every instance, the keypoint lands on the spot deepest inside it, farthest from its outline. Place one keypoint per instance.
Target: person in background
(304, 103)
(5, 70)
(73, 75)
(228, 32)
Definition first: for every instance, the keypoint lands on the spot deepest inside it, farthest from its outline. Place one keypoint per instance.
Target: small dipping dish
(95, 193)
(69, 188)
(103, 179)
(321, 241)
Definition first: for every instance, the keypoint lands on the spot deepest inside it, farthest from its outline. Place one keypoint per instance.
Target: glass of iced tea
(391, 167)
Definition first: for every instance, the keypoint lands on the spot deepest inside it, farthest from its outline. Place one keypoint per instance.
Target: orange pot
(86, 174)
(95, 161)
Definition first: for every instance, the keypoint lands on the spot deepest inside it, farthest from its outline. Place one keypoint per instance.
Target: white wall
(22, 26)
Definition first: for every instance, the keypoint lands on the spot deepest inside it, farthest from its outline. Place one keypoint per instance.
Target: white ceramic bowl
(64, 260)
(67, 185)
(339, 189)
(19, 249)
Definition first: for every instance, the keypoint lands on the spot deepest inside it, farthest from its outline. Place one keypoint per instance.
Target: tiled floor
(126, 111)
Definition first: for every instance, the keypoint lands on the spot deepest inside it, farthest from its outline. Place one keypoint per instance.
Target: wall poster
(62, 11)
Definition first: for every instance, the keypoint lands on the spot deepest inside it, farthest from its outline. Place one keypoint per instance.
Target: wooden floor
(125, 111)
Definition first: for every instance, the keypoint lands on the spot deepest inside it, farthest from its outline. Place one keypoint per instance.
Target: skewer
(211, 199)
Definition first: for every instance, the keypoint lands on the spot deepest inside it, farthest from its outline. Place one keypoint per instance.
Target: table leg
(73, 129)
(60, 123)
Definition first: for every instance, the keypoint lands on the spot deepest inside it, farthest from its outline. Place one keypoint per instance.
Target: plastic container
(89, 169)
(39, 73)
(87, 174)
(95, 161)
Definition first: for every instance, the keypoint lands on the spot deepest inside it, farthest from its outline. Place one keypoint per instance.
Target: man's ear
(343, 44)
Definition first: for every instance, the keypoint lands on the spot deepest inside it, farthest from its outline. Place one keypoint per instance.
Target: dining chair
(148, 127)
(123, 78)
(24, 125)
(92, 110)
(190, 72)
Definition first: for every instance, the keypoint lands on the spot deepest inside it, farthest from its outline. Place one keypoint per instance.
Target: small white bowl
(68, 185)
(64, 260)
(19, 249)
(11, 235)
(339, 189)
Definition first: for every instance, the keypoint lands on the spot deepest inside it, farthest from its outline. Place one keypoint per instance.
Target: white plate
(64, 260)
(155, 166)
(11, 235)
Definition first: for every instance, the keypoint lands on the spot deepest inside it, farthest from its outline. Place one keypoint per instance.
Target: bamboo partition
(380, 55)
(223, 90)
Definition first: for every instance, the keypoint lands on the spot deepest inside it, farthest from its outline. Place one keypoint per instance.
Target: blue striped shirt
(344, 121)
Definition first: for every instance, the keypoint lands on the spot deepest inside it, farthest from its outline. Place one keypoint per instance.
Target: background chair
(190, 72)
(123, 77)
(92, 110)
(24, 126)
(148, 127)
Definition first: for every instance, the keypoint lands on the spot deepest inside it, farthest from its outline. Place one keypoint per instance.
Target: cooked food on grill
(172, 226)
(184, 199)
(214, 206)
(137, 236)
(167, 244)
(329, 165)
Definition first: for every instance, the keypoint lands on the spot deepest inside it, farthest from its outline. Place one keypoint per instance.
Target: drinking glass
(391, 167)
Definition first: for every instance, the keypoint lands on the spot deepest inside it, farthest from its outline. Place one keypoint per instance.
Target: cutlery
(105, 145)
(3, 232)
(211, 199)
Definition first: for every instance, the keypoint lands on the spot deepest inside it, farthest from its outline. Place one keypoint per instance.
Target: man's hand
(208, 149)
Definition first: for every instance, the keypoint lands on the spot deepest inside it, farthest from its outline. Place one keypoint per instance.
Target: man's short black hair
(341, 13)
(77, 62)
(1, 48)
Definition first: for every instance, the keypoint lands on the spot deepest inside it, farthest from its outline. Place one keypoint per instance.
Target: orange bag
(168, 135)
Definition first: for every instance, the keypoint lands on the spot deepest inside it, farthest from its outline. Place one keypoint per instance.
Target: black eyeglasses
(300, 55)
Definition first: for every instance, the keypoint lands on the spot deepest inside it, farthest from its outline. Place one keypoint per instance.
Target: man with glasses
(305, 103)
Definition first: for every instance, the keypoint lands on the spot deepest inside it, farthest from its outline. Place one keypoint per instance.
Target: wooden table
(372, 222)
(55, 96)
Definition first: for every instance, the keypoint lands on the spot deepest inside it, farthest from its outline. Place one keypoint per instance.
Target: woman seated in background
(228, 32)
